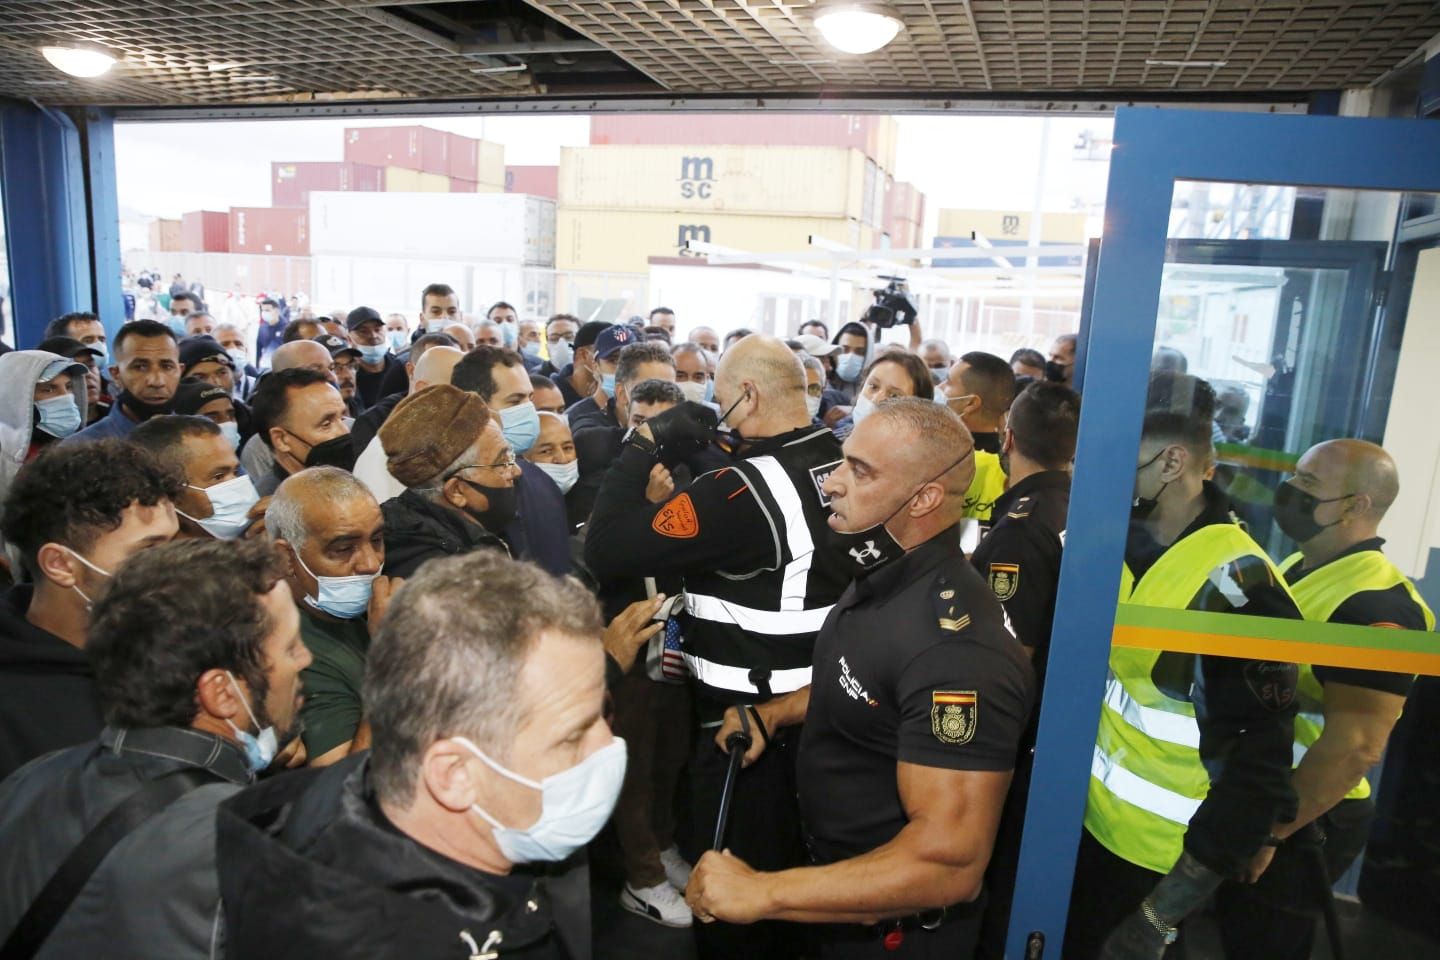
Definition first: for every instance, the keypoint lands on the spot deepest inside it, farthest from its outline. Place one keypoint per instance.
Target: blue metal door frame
(1153, 149)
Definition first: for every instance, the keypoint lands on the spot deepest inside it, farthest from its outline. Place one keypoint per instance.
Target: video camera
(892, 305)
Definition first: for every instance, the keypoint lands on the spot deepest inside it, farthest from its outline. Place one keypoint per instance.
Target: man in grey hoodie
(42, 400)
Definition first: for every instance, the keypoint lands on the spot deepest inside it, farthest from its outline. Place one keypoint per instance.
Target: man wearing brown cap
(446, 447)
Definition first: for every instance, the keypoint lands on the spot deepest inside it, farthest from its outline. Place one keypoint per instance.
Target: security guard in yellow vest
(1192, 760)
(1332, 508)
(981, 387)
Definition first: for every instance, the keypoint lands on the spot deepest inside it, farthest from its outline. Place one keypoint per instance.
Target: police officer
(919, 685)
(750, 541)
(1332, 508)
(1020, 559)
(1192, 759)
(981, 388)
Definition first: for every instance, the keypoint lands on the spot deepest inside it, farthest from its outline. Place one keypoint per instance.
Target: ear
(409, 370)
(454, 493)
(286, 553)
(216, 696)
(926, 501)
(1358, 506)
(1174, 461)
(448, 777)
(114, 372)
(1007, 440)
(278, 440)
(58, 566)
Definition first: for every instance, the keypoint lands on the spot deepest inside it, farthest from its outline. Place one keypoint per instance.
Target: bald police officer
(912, 723)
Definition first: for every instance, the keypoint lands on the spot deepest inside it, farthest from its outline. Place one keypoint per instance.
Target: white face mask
(862, 409)
(812, 406)
(259, 749)
(231, 432)
(230, 503)
(574, 805)
(565, 475)
(694, 392)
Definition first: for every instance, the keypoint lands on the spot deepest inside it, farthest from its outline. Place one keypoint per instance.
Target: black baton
(737, 743)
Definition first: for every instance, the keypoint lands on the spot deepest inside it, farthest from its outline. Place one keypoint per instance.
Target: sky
(165, 169)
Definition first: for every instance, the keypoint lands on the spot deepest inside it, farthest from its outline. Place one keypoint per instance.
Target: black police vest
(750, 634)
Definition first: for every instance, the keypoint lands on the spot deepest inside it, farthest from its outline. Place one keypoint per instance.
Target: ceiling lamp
(857, 28)
(79, 60)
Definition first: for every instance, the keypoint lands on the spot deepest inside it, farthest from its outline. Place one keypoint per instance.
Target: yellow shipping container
(492, 165)
(772, 181)
(164, 236)
(400, 180)
(433, 183)
(623, 242)
(1012, 225)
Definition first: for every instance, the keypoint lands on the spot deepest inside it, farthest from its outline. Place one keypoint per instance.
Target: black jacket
(47, 693)
(363, 430)
(310, 867)
(417, 529)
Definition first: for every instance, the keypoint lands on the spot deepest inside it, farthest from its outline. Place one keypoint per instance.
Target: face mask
(694, 392)
(237, 356)
(502, 506)
(531, 350)
(59, 416)
(104, 573)
(561, 354)
(564, 474)
(862, 409)
(143, 409)
(873, 547)
(335, 452)
(1295, 512)
(397, 340)
(231, 432)
(607, 383)
(509, 333)
(812, 406)
(270, 316)
(574, 805)
(374, 354)
(939, 374)
(435, 326)
(230, 502)
(342, 597)
(521, 426)
(848, 367)
(725, 417)
(1142, 507)
(259, 750)
(710, 390)
(1055, 372)
(104, 351)
(177, 324)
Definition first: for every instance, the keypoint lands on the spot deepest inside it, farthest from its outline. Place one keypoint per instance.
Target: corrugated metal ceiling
(257, 51)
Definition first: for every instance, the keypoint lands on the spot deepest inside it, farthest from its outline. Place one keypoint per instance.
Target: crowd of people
(351, 637)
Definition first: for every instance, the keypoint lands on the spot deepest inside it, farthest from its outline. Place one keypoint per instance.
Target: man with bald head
(462, 335)
(434, 367)
(750, 541)
(912, 723)
(1331, 508)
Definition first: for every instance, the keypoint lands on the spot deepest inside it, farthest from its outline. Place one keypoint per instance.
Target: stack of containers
(205, 231)
(291, 183)
(536, 181)
(415, 159)
(904, 215)
(277, 231)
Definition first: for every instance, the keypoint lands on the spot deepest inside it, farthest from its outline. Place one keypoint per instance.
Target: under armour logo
(863, 557)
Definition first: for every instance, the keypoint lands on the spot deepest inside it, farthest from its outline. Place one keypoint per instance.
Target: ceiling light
(1182, 64)
(509, 68)
(853, 28)
(79, 60)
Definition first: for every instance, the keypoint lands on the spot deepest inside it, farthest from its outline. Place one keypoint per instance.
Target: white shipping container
(491, 227)
(393, 285)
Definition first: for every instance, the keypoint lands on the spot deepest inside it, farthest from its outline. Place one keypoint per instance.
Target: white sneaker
(661, 903)
(677, 871)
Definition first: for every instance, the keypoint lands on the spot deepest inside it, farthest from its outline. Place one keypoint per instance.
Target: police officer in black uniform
(750, 541)
(918, 685)
(1020, 559)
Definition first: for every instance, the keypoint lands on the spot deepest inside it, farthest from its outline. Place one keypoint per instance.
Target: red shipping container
(463, 161)
(778, 130)
(205, 231)
(536, 181)
(463, 186)
(292, 183)
(278, 231)
(410, 148)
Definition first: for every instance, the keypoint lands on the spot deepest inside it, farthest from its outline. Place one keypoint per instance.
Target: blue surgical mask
(59, 416)
(231, 432)
(848, 367)
(436, 326)
(607, 383)
(259, 749)
(397, 340)
(531, 350)
(344, 597)
(177, 324)
(574, 805)
(710, 390)
(239, 358)
(521, 426)
(565, 475)
(561, 354)
(373, 354)
(509, 333)
(230, 504)
(862, 409)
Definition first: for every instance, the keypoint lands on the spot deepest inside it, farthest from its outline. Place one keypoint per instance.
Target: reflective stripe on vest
(987, 486)
(737, 679)
(1146, 779)
(1319, 594)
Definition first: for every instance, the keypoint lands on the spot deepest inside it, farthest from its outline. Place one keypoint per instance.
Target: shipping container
(165, 235)
(773, 181)
(291, 183)
(410, 148)
(401, 180)
(433, 183)
(462, 186)
(497, 227)
(1012, 225)
(618, 241)
(492, 164)
(273, 230)
(205, 231)
(463, 160)
(536, 181)
(874, 135)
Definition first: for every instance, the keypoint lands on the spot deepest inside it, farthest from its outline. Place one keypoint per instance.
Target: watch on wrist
(1168, 934)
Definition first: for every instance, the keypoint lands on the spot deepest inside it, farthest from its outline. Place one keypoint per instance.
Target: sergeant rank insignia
(1004, 580)
(954, 715)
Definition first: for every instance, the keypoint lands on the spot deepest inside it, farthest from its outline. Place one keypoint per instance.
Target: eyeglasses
(509, 463)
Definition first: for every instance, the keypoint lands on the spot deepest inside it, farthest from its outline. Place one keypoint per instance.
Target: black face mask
(503, 505)
(335, 452)
(1142, 507)
(1055, 372)
(873, 547)
(145, 410)
(1295, 512)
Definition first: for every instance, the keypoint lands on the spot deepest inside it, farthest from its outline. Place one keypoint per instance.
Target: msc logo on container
(688, 232)
(697, 177)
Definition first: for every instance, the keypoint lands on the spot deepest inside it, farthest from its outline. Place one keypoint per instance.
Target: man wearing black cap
(577, 379)
(367, 331)
(196, 398)
(598, 409)
(97, 403)
(206, 360)
(346, 359)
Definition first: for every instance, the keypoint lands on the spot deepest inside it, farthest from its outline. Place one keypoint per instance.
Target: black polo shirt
(368, 385)
(915, 664)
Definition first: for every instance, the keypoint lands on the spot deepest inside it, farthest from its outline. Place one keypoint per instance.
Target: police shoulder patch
(1004, 580)
(677, 519)
(954, 715)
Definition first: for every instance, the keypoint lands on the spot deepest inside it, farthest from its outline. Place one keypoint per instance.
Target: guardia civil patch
(954, 715)
(1004, 580)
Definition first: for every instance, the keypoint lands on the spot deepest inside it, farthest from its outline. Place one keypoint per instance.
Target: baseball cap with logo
(613, 340)
(337, 345)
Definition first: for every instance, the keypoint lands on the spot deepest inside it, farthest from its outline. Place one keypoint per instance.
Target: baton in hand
(737, 743)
